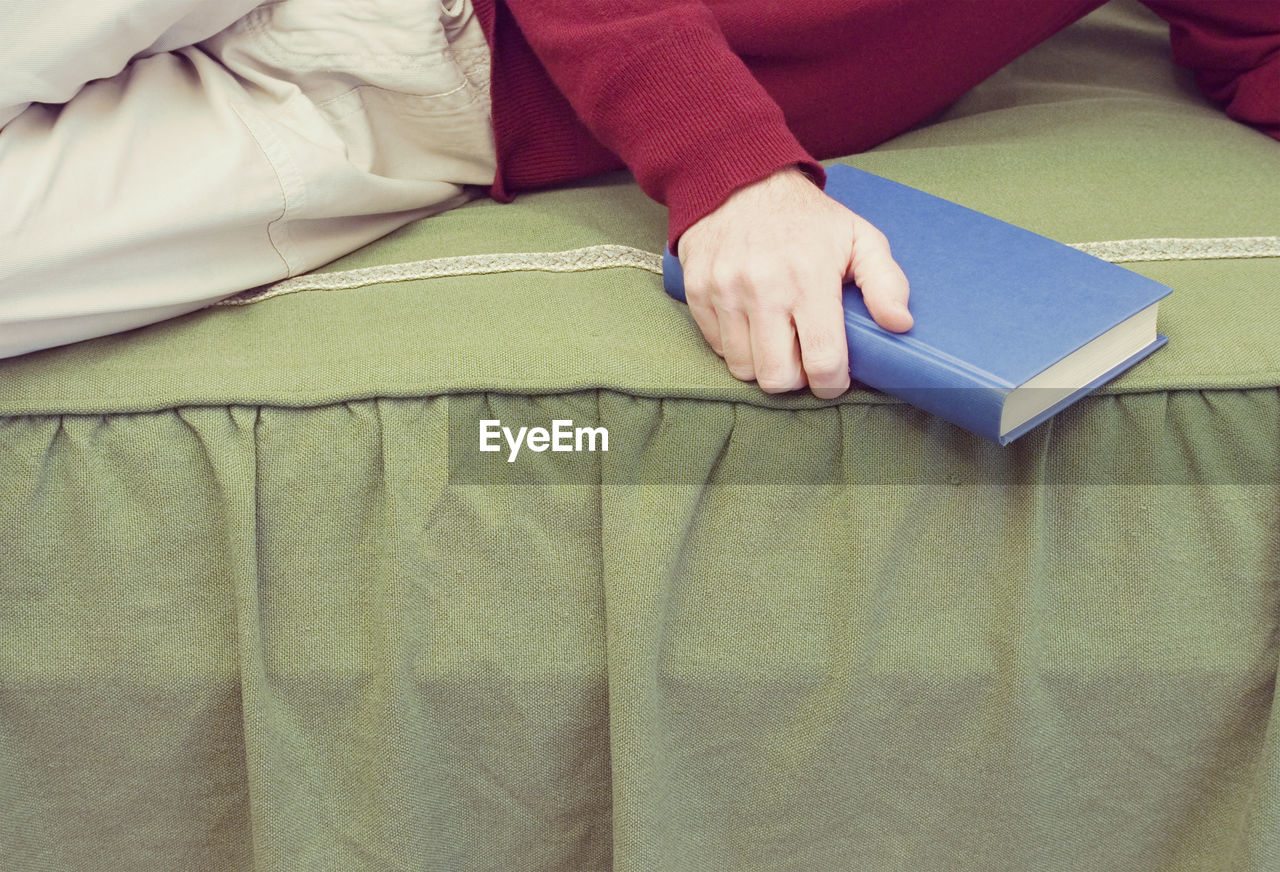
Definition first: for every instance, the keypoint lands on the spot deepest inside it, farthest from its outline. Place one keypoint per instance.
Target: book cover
(995, 307)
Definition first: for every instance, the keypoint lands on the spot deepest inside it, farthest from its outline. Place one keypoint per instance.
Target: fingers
(735, 341)
(759, 346)
(789, 334)
(704, 314)
(884, 286)
(765, 349)
(778, 350)
(824, 345)
(783, 334)
(775, 355)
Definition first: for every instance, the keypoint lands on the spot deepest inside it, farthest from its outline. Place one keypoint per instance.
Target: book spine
(947, 388)
(672, 275)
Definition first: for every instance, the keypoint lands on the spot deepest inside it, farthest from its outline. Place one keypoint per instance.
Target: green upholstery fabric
(264, 606)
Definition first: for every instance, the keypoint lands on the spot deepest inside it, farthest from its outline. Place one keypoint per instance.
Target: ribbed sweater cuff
(694, 195)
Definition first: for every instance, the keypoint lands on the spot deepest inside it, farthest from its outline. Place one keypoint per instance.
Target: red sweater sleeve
(1234, 48)
(657, 84)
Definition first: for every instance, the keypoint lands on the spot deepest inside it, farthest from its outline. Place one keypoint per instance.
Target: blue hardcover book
(1010, 327)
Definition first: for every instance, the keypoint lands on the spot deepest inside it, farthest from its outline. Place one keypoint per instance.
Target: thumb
(884, 285)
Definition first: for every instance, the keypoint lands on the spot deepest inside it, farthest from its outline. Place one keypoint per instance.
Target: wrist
(702, 191)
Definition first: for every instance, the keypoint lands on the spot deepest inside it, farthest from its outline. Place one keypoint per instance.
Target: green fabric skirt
(266, 605)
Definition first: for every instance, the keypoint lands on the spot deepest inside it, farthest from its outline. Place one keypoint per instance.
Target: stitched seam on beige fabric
(595, 257)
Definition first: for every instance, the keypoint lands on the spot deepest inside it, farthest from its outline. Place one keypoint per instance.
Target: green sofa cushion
(1095, 137)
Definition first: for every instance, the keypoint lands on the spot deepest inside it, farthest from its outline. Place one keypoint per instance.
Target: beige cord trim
(1173, 248)
(575, 260)
(596, 257)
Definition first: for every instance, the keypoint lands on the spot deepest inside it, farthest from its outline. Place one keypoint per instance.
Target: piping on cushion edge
(596, 257)
(574, 260)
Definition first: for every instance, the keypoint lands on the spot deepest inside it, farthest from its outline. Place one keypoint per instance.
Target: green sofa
(264, 605)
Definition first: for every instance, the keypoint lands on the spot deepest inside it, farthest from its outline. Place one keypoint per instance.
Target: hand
(763, 276)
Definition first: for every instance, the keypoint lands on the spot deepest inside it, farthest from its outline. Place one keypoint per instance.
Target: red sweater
(699, 97)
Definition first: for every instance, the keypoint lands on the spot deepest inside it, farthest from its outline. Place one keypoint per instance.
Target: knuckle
(760, 285)
(724, 276)
(821, 339)
(778, 301)
(768, 273)
(814, 339)
(777, 379)
(768, 375)
(825, 365)
(727, 298)
(697, 289)
(871, 237)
